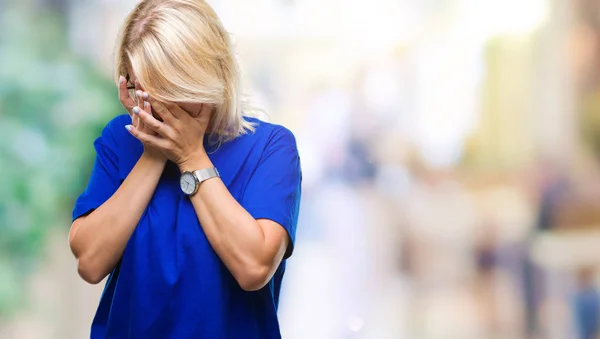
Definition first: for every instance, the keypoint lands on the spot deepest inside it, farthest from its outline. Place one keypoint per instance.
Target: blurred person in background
(553, 187)
(191, 252)
(586, 305)
(486, 257)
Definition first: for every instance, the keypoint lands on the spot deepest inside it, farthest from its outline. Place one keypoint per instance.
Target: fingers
(151, 122)
(160, 113)
(205, 111)
(148, 139)
(124, 97)
(167, 110)
(138, 103)
(204, 115)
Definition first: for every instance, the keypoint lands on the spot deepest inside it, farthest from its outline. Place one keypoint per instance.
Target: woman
(191, 209)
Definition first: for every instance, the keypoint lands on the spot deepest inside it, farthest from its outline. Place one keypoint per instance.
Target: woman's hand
(180, 137)
(126, 100)
(138, 101)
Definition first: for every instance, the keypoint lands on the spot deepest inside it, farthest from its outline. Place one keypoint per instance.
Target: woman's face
(193, 109)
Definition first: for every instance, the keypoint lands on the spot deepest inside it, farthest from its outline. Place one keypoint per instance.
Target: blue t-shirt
(170, 283)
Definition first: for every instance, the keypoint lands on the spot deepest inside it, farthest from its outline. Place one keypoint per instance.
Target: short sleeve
(275, 186)
(105, 179)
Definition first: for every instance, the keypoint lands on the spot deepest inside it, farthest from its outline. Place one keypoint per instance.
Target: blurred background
(450, 152)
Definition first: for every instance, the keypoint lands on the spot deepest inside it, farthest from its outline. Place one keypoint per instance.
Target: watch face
(187, 183)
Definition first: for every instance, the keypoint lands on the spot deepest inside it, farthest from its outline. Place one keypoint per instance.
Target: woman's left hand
(179, 136)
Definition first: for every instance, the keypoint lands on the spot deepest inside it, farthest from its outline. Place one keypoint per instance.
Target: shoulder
(273, 135)
(115, 128)
(117, 139)
(116, 142)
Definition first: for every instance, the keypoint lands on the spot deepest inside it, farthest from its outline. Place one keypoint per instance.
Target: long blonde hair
(180, 52)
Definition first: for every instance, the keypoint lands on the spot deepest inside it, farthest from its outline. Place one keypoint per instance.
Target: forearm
(232, 231)
(101, 237)
(237, 238)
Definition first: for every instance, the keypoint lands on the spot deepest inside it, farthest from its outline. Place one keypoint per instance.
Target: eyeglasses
(130, 87)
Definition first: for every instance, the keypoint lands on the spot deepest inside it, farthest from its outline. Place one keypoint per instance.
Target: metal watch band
(205, 174)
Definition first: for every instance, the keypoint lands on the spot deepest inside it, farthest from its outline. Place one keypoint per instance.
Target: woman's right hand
(129, 103)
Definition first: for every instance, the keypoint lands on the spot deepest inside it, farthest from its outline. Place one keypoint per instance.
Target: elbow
(88, 269)
(254, 277)
(88, 272)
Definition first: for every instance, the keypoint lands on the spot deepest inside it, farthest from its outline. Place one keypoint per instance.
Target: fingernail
(136, 110)
(138, 93)
(146, 104)
(145, 95)
(121, 79)
(128, 127)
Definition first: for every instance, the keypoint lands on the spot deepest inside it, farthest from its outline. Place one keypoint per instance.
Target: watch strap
(205, 174)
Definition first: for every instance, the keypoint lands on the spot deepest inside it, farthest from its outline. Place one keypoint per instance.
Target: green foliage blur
(53, 104)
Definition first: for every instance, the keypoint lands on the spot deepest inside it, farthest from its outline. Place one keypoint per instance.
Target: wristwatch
(190, 181)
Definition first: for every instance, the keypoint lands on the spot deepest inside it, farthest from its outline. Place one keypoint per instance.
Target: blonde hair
(180, 52)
